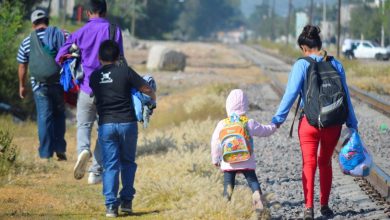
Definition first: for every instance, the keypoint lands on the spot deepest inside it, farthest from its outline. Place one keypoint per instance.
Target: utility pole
(383, 28)
(338, 28)
(133, 17)
(324, 11)
(273, 20)
(288, 22)
(311, 12)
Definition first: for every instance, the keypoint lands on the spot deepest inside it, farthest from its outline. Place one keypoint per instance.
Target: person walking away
(88, 39)
(235, 133)
(313, 133)
(36, 55)
(118, 131)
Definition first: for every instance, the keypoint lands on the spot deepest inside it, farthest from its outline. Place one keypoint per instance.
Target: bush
(8, 152)
(11, 23)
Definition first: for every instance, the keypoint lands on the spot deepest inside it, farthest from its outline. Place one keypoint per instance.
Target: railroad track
(377, 184)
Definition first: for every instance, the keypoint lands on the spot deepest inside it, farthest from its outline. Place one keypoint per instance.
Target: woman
(309, 136)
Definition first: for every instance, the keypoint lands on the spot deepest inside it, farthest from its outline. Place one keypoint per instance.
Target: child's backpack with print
(236, 143)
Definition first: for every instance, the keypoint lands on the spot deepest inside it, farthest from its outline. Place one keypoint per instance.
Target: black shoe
(61, 156)
(112, 211)
(308, 214)
(126, 206)
(326, 211)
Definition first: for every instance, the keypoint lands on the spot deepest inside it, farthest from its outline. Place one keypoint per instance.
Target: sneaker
(126, 206)
(81, 164)
(326, 211)
(308, 214)
(61, 156)
(256, 201)
(94, 178)
(112, 211)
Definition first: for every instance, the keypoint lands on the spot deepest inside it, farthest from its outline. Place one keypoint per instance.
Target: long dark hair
(310, 37)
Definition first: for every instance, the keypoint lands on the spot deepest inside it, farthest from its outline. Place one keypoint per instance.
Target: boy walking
(118, 131)
(88, 39)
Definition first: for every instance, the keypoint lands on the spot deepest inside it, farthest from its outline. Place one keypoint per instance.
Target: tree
(368, 25)
(159, 20)
(125, 13)
(202, 18)
(11, 19)
(266, 24)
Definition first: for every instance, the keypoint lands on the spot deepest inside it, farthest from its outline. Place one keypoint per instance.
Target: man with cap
(36, 55)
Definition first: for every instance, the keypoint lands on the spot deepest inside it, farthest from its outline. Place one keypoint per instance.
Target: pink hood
(237, 102)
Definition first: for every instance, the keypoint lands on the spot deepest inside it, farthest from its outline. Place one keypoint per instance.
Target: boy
(118, 129)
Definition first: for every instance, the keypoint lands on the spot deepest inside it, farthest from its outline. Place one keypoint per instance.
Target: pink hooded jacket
(237, 102)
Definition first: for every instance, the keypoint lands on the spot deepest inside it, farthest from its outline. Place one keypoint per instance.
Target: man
(48, 93)
(118, 131)
(88, 39)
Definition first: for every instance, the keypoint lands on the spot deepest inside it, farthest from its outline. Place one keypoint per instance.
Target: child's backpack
(354, 159)
(236, 143)
(325, 98)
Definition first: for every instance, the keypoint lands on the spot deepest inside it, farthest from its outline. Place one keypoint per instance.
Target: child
(236, 106)
(117, 122)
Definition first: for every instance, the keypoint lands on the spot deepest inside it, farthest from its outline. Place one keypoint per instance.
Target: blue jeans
(86, 116)
(49, 102)
(229, 178)
(118, 142)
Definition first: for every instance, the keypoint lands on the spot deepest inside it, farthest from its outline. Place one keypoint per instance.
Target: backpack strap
(112, 31)
(295, 115)
(308, 59)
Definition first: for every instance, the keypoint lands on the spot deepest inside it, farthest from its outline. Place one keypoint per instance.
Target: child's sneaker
(257, 203)
(112, 211)
(126, 206)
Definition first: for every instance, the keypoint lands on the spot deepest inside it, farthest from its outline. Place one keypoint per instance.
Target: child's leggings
(310, 137)
(229, 178)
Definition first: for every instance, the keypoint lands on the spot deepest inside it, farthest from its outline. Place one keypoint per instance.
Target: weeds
(8, 152)
(193, 104)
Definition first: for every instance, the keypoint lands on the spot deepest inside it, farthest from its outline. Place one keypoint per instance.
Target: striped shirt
(24, 53)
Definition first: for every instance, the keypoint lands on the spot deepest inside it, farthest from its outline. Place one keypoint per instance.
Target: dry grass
(175, 178)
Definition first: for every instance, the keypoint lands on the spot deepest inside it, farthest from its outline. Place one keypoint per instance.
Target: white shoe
(81, 164)
(94, 178)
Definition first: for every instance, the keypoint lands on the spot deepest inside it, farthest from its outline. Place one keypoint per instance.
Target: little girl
(236, 106)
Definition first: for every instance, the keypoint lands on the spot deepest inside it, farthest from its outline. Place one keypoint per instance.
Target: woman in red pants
(314, 138)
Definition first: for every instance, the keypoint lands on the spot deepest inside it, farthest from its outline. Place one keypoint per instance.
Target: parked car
(364, 49)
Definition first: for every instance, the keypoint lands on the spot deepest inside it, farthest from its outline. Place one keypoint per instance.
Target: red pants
(310, 137)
